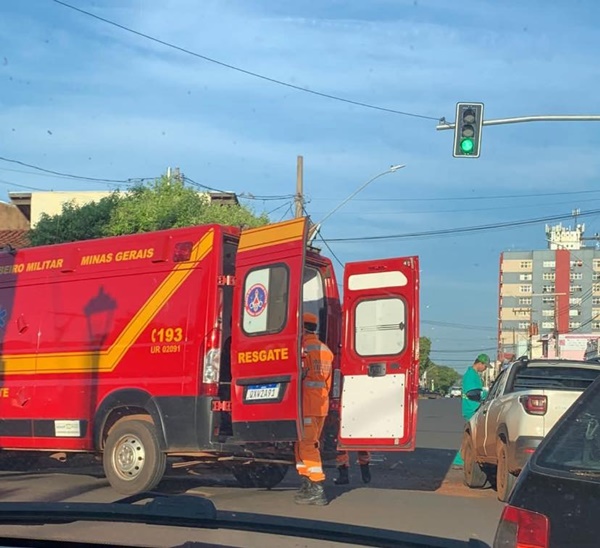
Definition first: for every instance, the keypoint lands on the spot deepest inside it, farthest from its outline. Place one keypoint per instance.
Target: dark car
(556, 500)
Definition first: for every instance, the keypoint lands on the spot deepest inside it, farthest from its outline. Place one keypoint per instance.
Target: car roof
(555, 362)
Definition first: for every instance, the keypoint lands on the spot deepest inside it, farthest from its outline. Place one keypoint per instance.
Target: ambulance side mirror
(474, 395)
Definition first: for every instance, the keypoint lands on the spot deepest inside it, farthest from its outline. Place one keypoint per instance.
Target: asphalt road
(415, 492)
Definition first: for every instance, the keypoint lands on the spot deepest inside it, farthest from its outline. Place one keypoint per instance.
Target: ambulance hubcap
(129, 457)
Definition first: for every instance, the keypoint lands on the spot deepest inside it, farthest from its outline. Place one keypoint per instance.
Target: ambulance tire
(132, 459)
(265, 476)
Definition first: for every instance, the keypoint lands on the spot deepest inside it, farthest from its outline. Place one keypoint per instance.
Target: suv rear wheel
(505, 481)
(475, 475)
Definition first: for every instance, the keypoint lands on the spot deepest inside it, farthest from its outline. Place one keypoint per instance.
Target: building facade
(548, 296)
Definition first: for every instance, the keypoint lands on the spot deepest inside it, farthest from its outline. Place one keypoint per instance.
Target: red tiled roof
(15, 238)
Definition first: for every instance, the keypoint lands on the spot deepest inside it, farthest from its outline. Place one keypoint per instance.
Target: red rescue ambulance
(186, 343)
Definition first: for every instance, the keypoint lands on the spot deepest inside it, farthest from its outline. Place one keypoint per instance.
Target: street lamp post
(315, 229)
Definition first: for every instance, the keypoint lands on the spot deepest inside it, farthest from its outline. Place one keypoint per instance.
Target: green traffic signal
(467, 145)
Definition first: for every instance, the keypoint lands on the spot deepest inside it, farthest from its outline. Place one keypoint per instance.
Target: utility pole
(299, 198)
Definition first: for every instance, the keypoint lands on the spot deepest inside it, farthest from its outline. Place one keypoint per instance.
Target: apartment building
(548, 296)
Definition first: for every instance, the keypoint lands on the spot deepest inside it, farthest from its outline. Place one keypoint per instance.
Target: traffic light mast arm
(521, 119)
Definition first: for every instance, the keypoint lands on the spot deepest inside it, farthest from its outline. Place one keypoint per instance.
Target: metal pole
(299, 198)
(442, 125)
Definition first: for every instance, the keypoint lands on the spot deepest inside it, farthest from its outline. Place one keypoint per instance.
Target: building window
(596, 276)
(548, 325)
(596, 326)
(548, 300)
(595, 300)
(526, 265)
(549, 264)
(548, 313)
(576, 276)
(524, 300)
(549, 276)
(574, 312)
(524, 289)
(574, 325)
(578, 262)
(595, 313)
(548, 289)
(576, 289)
(523, 325)
(525, 277)
(522, 313)
(597, 263)
(596, 288)
(575, 300)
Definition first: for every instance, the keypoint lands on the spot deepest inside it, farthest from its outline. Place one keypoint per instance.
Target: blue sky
(80, 96)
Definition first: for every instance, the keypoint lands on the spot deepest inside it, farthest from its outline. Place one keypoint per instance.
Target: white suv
(523, 404)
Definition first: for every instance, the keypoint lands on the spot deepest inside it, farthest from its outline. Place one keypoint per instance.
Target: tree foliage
(74, 222)
(424, 352)
(442, 378)
(162, 204)
(170, 204)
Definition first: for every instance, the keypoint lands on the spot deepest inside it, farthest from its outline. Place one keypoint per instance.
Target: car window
(555, 378)
(574, 447)
(496, 386)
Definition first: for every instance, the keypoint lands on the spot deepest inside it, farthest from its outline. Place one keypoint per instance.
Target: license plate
(262, 392)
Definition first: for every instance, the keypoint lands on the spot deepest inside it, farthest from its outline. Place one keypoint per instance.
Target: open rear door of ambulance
(380, 358)
(266, 333)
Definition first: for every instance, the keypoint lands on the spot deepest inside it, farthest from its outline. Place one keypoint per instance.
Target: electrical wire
(129, 181)
(463, 230)
(244, 71)
(463, 198)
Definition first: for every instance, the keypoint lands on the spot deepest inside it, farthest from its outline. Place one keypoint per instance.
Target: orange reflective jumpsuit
(343, 459)
(316, 383)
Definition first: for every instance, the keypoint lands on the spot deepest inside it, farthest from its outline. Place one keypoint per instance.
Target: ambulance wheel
(266, 476)
(133, 461)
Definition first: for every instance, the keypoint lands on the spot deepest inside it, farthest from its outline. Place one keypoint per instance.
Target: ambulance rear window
(266, 292)
(379, 327)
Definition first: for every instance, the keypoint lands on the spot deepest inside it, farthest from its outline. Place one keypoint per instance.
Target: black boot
(344, 477)
(365, 473)
(314, 495)
(303, 488)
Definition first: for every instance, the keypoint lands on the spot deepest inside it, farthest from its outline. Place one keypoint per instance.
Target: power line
(464, 230)
(9, 183)
(458, 325)
(277, 208)
(462, 198)
(80, 177)
(241, 70)
(438, 211)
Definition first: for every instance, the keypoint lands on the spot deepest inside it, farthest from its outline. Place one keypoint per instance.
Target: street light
(314, 230)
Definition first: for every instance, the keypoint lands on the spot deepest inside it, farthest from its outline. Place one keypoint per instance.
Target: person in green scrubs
(472, 381)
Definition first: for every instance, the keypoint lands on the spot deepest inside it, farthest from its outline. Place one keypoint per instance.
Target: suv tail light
(520, 528)
(534, 405)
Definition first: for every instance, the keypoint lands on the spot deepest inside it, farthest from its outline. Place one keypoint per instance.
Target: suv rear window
(574, 447)
(555, 378)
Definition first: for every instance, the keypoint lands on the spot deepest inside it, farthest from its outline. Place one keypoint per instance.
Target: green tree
(424, 352)
(74, 222)
(168, 203)
(164, 203)
(443, 377)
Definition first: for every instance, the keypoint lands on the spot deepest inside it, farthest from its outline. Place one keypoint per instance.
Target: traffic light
(467, 130)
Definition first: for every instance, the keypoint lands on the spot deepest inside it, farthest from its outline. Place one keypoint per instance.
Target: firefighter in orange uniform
(316, 383)
(343, 464)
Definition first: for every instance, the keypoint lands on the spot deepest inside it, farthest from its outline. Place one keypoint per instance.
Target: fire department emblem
(3, 317)
(256, 300)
